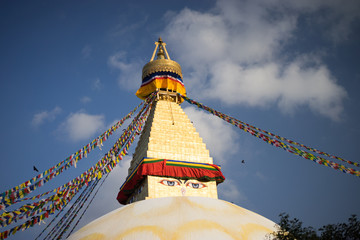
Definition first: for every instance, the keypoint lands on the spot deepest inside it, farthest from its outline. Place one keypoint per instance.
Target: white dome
(178, 218)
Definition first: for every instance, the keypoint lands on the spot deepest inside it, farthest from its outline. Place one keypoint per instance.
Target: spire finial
(161, 73)
(162, 49)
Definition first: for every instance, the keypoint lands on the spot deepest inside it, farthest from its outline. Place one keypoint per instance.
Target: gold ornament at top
(163, 63)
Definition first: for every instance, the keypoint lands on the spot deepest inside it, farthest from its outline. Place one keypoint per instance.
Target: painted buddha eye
(195, 185)
(169, 183)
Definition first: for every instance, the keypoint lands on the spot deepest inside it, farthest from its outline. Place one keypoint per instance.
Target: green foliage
(290, 229)
(346, 231)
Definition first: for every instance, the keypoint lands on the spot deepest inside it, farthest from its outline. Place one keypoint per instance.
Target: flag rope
(59, 224)
(8, 197)
(276, 141)
(66, 192)
(64, 227)
(7, 218)
(88, 205)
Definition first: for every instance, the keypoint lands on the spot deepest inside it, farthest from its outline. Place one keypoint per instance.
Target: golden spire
(168, 72)
(163, 63)
(160, 55)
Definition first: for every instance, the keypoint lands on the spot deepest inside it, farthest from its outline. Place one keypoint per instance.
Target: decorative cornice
(161, 65)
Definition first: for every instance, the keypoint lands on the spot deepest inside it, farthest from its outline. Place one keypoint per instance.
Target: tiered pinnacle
(169, 134)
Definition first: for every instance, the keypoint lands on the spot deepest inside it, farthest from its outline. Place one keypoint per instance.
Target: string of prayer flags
(38, 211)
(75, 225)
(281, 142)
(58, 227)
(8, 197)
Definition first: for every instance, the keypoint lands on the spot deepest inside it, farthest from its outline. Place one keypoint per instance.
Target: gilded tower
(170, 138)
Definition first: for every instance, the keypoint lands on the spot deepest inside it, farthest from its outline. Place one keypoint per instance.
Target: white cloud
(81, 126)
(43, 116)
(85, 99)
(234, 54)
(229, 191)
(293, 86)
(220, 137)
(97, 85)
(129, 76)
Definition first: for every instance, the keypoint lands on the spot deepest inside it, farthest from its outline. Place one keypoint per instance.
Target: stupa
(171, 188)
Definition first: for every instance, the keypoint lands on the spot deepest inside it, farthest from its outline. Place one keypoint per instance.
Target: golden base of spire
(161, 65)
(162, 73)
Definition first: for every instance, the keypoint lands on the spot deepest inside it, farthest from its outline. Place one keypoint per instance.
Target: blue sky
(69, 70)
